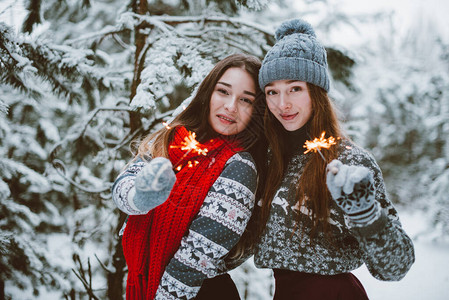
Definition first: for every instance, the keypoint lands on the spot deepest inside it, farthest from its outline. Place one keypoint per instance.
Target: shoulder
(241, 168)
(241, 160)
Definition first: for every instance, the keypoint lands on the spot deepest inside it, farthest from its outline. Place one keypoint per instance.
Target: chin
(290, 127)
(231, 130)
(223, 131)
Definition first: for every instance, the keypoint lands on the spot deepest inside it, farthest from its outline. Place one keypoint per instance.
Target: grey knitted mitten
(154, 183)
(352, 188)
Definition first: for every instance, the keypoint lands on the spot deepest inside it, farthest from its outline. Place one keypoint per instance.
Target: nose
(231, 106)
(284, 102)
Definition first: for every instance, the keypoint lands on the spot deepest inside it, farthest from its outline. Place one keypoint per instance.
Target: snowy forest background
(81, 79)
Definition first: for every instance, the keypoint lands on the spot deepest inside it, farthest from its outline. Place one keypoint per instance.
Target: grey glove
(154, 183)
(352, 188)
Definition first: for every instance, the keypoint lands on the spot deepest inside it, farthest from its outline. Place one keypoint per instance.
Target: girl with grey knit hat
(325, 212)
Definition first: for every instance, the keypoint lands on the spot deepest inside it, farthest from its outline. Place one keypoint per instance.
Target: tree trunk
(115, 279)
(2, 289)
(140, 8)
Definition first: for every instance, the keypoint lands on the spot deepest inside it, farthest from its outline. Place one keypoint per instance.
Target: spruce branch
(98, 35)
(81, 274)
(202, 20)
(103, 265)
(60, 166)
(56, 65)
(163, 22)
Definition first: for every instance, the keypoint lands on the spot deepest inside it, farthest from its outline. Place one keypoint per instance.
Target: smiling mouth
(288, 116)
(226, 119)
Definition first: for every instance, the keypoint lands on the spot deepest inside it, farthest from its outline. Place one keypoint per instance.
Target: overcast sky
(405, 10)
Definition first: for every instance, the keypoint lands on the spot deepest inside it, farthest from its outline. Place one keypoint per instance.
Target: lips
(226, 119)
(288, 117)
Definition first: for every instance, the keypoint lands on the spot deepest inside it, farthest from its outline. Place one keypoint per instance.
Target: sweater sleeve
(218, 226)
(123, 189)
(388, 251)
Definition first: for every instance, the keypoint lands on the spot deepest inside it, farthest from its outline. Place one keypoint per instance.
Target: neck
(294, 140)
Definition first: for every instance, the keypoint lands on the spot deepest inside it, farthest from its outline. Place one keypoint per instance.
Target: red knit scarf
(151, 240)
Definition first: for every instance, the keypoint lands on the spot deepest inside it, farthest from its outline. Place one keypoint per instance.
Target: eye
(296, 89)
(270, 93)
(223, 91)
(246, 100)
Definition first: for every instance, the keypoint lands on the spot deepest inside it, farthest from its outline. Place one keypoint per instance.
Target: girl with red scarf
(187, 209)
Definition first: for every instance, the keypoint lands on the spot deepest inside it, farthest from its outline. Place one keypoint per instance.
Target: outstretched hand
(156, 176)
(154, 183)
(352, 188)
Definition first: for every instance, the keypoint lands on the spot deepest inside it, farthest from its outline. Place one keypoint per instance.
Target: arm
(143, 186)
(216, 229)
(359, 190)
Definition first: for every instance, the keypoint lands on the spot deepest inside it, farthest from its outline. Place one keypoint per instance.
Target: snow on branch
(23, 57)
(98, 35)
(82, 130)
(11, 168)
(132, 20)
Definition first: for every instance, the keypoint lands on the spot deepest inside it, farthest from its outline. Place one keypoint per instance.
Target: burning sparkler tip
(318, 143)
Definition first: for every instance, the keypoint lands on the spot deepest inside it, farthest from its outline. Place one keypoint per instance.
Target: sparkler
(318, 143)
(190, 144)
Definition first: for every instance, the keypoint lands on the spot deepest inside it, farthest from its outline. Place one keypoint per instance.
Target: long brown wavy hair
(311, 186)
(195, 118)
(196, 115)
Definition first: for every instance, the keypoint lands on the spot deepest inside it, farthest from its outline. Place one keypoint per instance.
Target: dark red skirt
(221, 287)
(292, 285)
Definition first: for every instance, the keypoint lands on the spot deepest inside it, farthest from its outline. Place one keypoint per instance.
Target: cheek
(246, 114)
(271, 104)
(309, 109)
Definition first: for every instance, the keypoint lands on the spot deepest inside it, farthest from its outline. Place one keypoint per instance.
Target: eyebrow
(288, 82)
(230, 85)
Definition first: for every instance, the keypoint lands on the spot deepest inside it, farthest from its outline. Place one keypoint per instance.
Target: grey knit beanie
(297, 55)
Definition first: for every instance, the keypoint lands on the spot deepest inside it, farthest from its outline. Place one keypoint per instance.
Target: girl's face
(231, 103)
(289, 102)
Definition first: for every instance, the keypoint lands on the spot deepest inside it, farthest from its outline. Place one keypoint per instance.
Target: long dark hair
(195, 117)
(312, 183)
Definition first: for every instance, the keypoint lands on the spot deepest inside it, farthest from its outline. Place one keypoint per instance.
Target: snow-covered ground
(427, 279)
(429, 276)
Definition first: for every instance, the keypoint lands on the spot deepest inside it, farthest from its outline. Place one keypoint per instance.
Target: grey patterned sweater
(213, 232)
(383, 245)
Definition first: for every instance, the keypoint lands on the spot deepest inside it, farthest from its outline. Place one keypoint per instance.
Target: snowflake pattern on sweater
(123, 190)
(215, 230)
(383, 245)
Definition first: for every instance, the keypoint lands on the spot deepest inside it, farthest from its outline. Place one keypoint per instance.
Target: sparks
(318, 143)
(192, 164)
(191, 144)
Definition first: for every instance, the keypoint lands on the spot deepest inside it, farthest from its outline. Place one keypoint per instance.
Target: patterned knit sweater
(216, 229)
(383, 245)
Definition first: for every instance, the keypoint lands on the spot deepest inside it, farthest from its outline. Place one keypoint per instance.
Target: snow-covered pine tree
(404, 117)
(34, 74)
